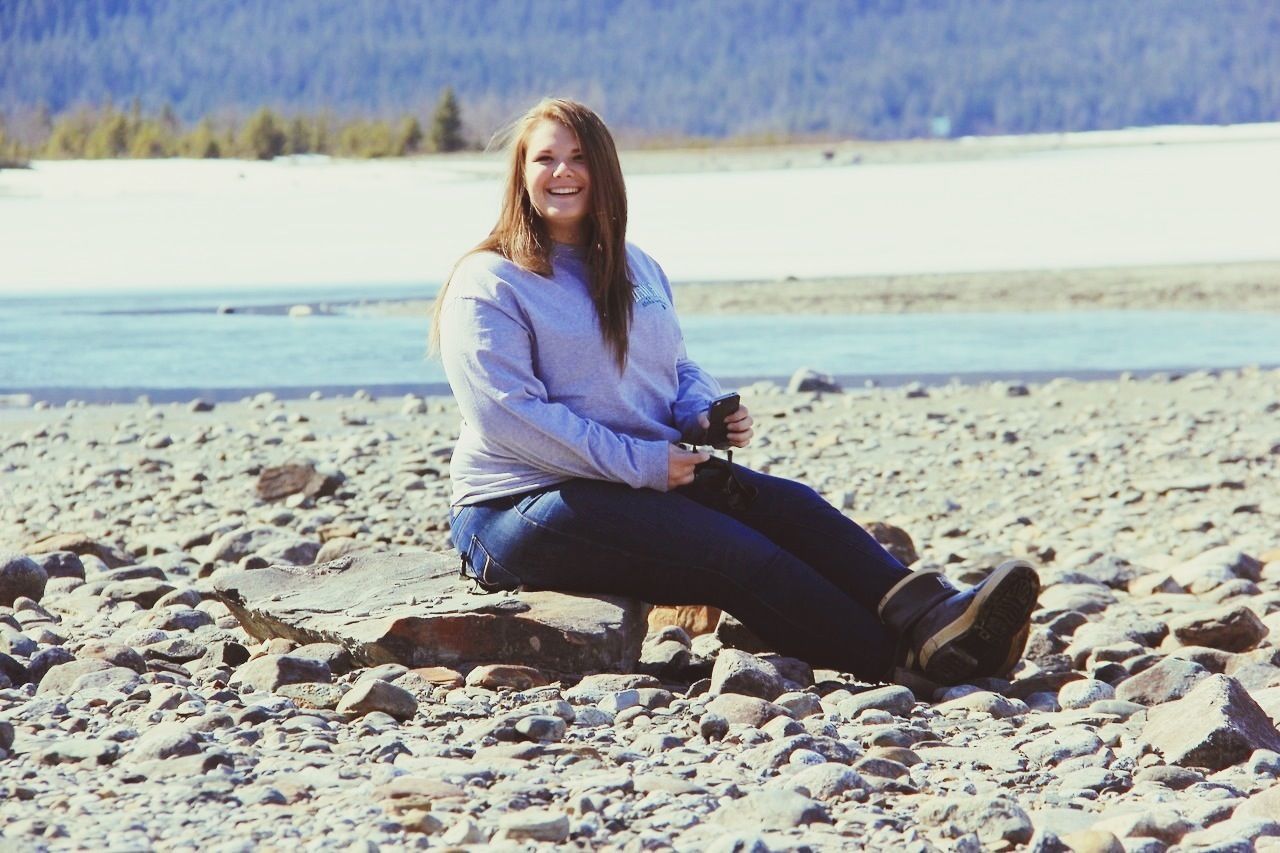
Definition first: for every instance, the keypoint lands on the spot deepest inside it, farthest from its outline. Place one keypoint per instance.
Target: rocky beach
(239, 627)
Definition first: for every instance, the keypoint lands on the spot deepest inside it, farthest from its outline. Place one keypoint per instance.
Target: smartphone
(721, 407)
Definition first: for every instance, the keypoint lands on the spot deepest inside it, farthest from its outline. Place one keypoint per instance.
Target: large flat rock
(412, 608)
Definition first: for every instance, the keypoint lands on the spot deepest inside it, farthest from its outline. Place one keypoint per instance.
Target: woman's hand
(680, 465)
(739, 424)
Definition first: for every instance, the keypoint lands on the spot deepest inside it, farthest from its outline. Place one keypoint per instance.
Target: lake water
(106, 348)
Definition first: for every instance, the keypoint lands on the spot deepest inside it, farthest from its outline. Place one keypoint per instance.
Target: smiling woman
(561, 344)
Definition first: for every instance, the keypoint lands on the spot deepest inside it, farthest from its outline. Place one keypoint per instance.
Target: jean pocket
(485, 570)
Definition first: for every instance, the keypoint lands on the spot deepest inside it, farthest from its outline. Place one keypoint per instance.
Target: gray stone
(826, 781)
(313, 695)
(771, 809)
(745, 710)
(78, 749)
(592, 688)
(144, 592)
(165, 740)
(1159, 822)
(20, 576)
(745, 674)
(1083, 693)
(1232, 628)
(79, 543)
(374, 694)
(61, 564)
(334, 655)
(58, 679)
(115, 654)
(533, 825)
(807, 380)
(986, 702)
(895, 699)
(412, 609)
(996, 822)
(1216, 725)
(1165, 681)
(713, 727)
(1057, 746)
(270, 671)
(541, 727)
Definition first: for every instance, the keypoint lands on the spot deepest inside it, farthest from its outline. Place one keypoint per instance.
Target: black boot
(950, 635)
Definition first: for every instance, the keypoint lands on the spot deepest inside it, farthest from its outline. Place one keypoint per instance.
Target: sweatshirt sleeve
(696, 388)
(488, 358)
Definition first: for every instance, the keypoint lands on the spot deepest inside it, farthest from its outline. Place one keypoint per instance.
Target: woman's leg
(802, 522)
(590, 536)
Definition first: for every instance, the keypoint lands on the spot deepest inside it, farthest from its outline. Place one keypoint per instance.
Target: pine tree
(446, 124)
(409, 139)
(262, 137)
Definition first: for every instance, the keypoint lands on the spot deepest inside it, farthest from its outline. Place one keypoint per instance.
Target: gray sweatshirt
(541, 397)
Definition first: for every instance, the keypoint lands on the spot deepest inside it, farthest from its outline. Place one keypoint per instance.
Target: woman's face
(556, 178)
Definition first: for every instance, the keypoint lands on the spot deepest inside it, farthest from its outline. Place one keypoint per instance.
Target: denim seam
(727, 578)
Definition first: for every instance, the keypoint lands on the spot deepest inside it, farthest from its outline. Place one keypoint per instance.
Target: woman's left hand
(739, 424)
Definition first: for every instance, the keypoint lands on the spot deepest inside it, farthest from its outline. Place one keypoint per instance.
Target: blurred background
(277, 179)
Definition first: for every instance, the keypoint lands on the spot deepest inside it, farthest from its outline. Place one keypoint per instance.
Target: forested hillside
(716, 68)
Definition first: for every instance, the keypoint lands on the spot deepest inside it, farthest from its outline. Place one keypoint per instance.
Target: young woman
(561, 345)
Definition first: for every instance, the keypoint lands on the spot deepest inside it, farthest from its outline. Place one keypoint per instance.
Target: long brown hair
(521, 236)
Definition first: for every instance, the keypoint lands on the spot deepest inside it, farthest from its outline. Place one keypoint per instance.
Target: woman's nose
(562, 169)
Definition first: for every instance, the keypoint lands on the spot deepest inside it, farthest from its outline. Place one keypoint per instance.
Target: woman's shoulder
(482, 273)
(643, 267)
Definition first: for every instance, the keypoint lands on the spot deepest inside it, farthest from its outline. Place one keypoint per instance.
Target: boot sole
(989, 637)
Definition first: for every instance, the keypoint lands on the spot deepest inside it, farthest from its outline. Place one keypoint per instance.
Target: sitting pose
(562, 347)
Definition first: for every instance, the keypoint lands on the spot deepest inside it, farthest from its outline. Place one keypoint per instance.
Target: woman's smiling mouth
(564, 190)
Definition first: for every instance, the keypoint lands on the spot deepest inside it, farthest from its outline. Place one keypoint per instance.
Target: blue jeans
(797, 572)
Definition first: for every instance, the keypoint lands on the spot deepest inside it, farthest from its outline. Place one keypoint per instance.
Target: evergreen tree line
(109, 133)
(696, 68)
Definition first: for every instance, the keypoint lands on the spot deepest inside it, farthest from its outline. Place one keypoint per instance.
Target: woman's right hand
(680, 465)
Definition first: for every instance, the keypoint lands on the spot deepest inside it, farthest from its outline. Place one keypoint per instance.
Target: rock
(312, 695)
(1169, 679)
(79, 543)
(533, 825)
(61, 564)
(498, 675)
(541, 727)
(271, 671)
(165, 740)
(997, 822)
(807, 380)
(1163, 824)
(826, 781)
(412, 609)
(1083, 693)
(337, 658)
(340, 546)
(1215, 567)
(1232, 628)
(46, 659)
(894, 699)
(713, 727)
(694, 619)
(144, 592)
(1216, 725)
(732, 634)
(780, 808)
(593, 688)
(746, 710)
(895, 540)
(279, 482)
(441, 676)
(1264, 805)
(78, 749)
(743, 673)
(372, 694)
(20, 576)
(1092, 841)
(234, 546)
(1061, 744)
(58, 679)
(986, 702)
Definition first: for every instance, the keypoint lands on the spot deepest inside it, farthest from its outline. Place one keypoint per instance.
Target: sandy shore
(1213, 287)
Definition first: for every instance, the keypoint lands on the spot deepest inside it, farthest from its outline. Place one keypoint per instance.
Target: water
(174, 346)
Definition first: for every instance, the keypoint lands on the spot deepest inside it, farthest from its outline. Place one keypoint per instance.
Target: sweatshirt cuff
(654, 460)
(686, 418)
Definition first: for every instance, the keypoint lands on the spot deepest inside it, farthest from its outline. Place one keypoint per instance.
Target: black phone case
(718, 432)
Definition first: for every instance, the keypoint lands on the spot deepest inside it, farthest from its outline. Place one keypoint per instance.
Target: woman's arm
(488, 358)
